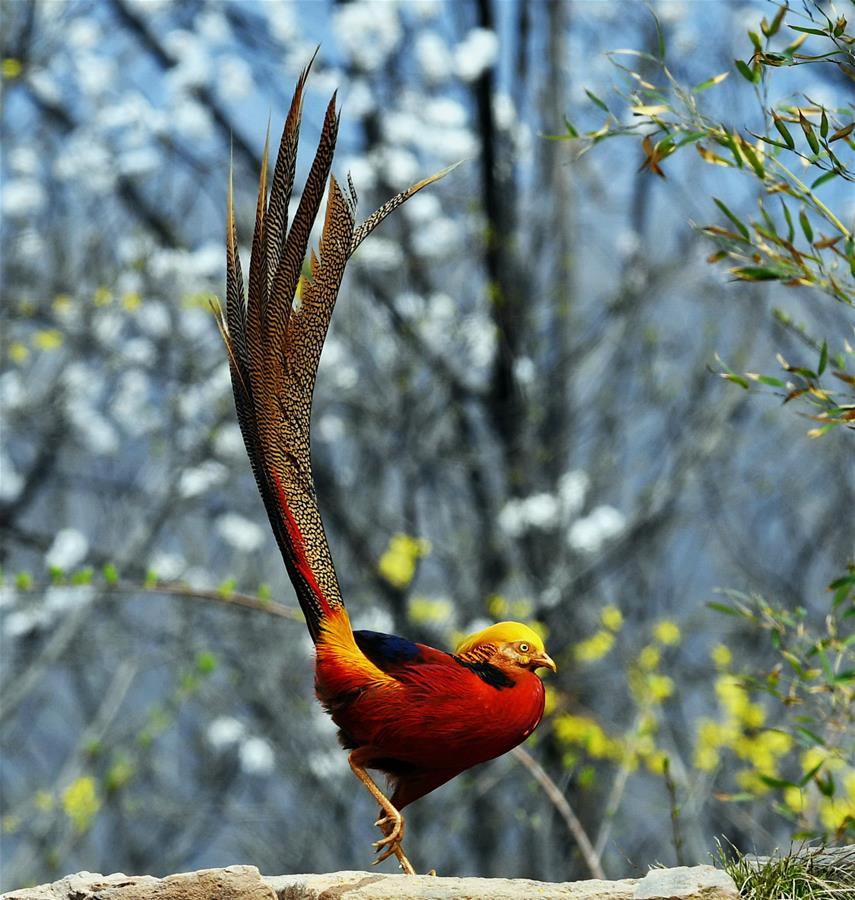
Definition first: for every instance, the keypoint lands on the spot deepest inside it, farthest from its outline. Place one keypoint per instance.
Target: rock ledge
(246, 883)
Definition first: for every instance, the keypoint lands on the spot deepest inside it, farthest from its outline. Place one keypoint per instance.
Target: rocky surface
(246, 883)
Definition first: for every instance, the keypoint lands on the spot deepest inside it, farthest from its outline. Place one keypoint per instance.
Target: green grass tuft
(804, 874)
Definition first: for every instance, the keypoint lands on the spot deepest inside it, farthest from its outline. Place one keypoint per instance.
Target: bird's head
(507, 644)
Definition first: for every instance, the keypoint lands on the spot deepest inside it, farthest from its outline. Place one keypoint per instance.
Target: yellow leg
(392, 823)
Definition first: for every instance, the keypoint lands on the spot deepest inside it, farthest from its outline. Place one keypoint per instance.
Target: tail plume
(274, 344)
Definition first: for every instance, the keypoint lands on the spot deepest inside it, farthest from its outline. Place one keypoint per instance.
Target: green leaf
(570, 128)
(82, 576)
(23, 581)
(110, 573)
(823, 125)
(823, 178)
(826, 785)
(596, 100)
(784, 132)
(710, 82)
(807, 30)
(805, 223)
(823, 358)
(206, 662)
(777, 782)
(743, 230)
(744, 70)
(753, 161)
(810, 137)
(759, 273)
(724, 608)
(791, 232)
(814, 739)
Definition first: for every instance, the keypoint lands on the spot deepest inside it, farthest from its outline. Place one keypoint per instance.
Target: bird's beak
(544, 661)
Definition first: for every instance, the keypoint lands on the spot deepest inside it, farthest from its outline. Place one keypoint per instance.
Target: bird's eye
(524, 647)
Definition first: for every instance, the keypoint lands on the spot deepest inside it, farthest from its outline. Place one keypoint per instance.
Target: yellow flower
(794, 799)
(750, 780)
(61, 303)
(47, 339)
(521, 608)
(721, 656)
(612, 618)
(705, 758)
(43, 801)
(656, 761)
(398, 563)
(18, 352)
(659, 687)
(595, 647)
(131, 300)
(649, 658)
(497, 606)
(80, 802)
(103, 296)
(424, 609)
(835, 811)
(11, 68)
(667, 632)
(550, 700)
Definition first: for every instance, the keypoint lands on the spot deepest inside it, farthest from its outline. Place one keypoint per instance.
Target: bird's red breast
(426, 715)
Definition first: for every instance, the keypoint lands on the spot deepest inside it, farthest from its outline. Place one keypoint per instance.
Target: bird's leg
(392, 823)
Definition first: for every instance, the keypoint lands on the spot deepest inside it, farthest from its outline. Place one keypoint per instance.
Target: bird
(417, 714)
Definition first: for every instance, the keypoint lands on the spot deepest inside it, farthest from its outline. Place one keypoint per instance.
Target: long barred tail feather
(274, 346)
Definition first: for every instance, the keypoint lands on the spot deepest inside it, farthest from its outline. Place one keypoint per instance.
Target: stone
(232, 883)
(686, 883)
(246, 883)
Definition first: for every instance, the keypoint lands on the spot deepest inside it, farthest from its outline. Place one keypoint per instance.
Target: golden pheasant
(417, 714)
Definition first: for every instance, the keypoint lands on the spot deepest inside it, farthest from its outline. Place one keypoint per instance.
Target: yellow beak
(544, 661)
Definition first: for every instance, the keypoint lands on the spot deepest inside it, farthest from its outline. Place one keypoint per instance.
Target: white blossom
(23, 621)
(239, 532)
(438, 238)
(192, 119)
(477, 52)
(234, 78)
(433, 56)
(69, 548)
(521, 514)
(525, 370)
(256, 756)
(201, 478)
(572, 491)
(424, 207)
(326, 764)
(23, 197)
(23, 160)
(10, 480)
(445, 113)
(368, 32)
(167, 566)
(228, 442)
(224, 731)
(62, 598)
(379, 254)
(589, 534)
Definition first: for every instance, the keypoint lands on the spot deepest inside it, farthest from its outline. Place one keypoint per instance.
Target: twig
(559, 801)
(675, 811)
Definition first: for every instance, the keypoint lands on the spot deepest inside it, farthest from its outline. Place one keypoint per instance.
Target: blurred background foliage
(517, 415)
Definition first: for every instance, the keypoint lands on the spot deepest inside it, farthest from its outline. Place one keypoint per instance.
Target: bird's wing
(274, 343)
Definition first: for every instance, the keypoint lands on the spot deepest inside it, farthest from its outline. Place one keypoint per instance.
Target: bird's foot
(390, 844)
(392, 827)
